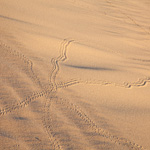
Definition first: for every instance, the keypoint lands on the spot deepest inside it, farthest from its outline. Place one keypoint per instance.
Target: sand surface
(74, 75)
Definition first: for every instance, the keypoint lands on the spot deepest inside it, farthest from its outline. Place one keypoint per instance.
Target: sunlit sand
(75, 75)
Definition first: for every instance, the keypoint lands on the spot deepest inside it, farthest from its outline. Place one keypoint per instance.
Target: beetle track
(84, 117)
(33, 97)
(54, 142)
(55, 63)
(141, 82)
(96, 129)
(131, 19)
(26, 60)
(62, 57)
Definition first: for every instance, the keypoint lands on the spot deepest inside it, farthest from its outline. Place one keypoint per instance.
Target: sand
(74, 75)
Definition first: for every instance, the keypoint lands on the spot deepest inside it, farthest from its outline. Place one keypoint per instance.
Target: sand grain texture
(74, 75)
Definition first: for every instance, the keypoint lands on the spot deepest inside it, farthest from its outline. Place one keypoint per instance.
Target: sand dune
(74, 75)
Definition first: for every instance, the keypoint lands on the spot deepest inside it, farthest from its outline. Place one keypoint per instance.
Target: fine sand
(74, 75)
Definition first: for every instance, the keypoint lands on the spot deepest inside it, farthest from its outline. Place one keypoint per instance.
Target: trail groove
(72, 107)
(110, 2)
(141, 82)
(50, 92)
(85, 123)
(55, 70)
(55, 61)
(24, 59)
(62, 57)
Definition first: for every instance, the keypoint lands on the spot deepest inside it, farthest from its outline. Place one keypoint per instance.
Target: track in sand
(55, 107)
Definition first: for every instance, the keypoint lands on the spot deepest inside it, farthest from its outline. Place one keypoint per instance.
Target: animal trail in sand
(55, 70)
(29, 63)
(71, 108)
(84, 123)
(111, 3)
(55, 61)
(52, 79)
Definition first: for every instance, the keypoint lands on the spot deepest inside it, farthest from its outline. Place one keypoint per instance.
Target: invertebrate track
(129, 18)
(74, 109)
(23, 58)
(82, 121)
(55, 63)
(139, 83)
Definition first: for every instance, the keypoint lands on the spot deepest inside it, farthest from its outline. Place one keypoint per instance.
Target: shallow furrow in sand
(110, 2)
(141, 82)
(24, 59)
(54, 143)
(48, 93)
(55, 70)
(33, 97)
(55, 61)
(36, 95)
(83, 116)
(62, 57)
(10, 52)
(24, 102)
(90, 123)
(67, 84)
